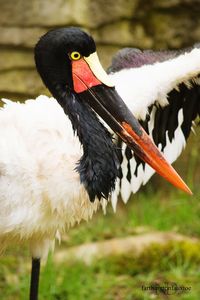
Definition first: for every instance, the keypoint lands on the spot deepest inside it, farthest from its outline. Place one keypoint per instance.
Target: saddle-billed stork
(57, 162)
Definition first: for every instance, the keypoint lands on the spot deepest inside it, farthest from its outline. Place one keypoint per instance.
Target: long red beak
(104, 99)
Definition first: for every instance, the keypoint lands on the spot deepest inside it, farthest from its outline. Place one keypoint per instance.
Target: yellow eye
(75, 55)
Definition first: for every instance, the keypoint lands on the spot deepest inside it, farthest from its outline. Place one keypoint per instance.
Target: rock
(87, 13)
(43, 13)
(12, 59)
(20, 37)
(119, 246)
(175, 3)
(103, 12)
(169, 5)
(170, 32)
(26, 82)
(123, 33)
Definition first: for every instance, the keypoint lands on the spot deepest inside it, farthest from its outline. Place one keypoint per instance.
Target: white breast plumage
(39, 179)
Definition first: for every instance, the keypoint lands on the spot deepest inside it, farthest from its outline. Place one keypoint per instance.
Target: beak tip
(183, 186)
(188, 191)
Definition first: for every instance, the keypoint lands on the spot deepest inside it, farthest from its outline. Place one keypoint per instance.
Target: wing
(162, 89)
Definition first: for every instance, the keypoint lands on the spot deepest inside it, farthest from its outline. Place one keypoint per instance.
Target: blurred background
(158, 212)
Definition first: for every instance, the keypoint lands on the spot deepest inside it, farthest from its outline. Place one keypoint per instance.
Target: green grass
(118, 278)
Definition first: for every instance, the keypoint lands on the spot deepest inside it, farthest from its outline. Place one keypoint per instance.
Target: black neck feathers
(99, 165)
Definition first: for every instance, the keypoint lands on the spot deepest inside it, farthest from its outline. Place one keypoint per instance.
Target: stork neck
(99, 165)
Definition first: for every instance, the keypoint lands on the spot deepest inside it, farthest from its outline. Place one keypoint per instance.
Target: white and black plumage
(52, 178)
(162, 89)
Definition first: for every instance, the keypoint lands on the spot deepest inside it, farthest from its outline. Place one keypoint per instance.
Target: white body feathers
(40, 192)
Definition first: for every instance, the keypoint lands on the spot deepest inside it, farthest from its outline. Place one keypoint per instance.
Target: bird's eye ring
(75, 55)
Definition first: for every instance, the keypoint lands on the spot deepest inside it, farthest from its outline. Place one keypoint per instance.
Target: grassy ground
(120, 277)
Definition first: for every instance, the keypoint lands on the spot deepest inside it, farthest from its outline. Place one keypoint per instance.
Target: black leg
(35, 274)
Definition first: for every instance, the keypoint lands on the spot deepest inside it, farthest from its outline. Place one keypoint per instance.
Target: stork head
(68, 64)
